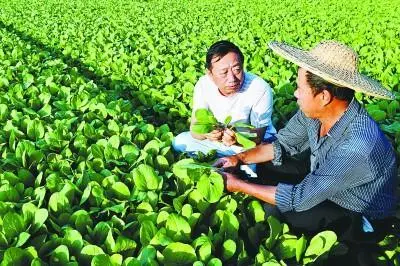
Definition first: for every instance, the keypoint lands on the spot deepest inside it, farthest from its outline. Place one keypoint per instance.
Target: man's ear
(209, 74)
(326, 97)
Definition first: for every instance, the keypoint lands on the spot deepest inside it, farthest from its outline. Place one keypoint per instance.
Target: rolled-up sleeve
(277, 153)
(284, 197)
(344, 169)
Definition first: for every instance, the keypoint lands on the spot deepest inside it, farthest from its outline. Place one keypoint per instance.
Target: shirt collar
(340, 126)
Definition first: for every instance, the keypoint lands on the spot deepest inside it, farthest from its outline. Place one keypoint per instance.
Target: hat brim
(306, 60)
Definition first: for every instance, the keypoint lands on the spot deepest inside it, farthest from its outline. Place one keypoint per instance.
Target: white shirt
(252, 104)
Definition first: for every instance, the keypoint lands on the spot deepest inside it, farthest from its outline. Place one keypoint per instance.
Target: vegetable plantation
(92, 93)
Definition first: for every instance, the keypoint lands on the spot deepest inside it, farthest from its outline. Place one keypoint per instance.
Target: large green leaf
(35, 129)
(147, 232)
(130, 152)
(275, 228)
(205, 251)
(101, 260)
(60, 255)
(13, 225)
(179, 254)
(301, 246)
(244, 141)
(228, 249)
(257, 211)
(58, 202)
(27, 79)
(147, 255)
(205, 121)
(320, 244)
(211, 187)
(88, 252)
(202, 128)
(161, 238)
(28, 210)
(22, 239)
(9, 193)
(378, 115)
(286, 246)
(73, 240)
(3, 112)
(178, 228)
(124, 244)
(153, 147)
(265, 255)
(120, 191)
(40, 218)
(145, 178)
(114, 141)
(16, 256)
(230, 225)
(100, 232)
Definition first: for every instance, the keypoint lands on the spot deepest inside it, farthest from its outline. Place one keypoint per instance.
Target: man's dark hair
(318, 84)
(220, 49)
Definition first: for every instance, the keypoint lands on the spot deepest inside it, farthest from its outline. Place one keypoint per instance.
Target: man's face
(227, 73)
(308, 103)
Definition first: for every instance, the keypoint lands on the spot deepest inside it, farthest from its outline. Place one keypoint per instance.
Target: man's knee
(181, 141)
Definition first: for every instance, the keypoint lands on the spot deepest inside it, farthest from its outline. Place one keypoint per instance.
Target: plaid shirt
(353, 165)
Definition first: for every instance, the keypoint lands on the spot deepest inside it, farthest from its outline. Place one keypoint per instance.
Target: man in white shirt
(227, 90)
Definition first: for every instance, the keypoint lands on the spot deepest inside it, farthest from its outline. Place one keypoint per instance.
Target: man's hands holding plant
(226, 136)
(215, 135)
(207, 125)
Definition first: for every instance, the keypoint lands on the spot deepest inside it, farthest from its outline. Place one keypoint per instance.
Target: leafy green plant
(206, 122)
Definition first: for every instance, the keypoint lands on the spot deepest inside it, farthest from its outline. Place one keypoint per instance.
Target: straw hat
(334, 62)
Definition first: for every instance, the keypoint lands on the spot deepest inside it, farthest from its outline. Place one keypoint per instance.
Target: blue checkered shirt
(353, 166)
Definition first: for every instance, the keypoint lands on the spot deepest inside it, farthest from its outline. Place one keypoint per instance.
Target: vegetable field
(92, 93)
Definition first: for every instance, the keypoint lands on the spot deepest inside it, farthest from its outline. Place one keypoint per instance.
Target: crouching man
(351, 183)
(227, 90)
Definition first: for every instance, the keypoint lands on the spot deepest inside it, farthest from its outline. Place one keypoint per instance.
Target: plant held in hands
(206, 122)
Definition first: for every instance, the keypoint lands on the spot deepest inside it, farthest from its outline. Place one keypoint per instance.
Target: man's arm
(293, 138)
(342, 171)
(261, 192)
(345, 168)
(259, 154)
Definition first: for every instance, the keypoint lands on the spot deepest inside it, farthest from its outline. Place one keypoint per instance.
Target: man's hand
(232, 182)
(227, 162)
(228, 137)
(214, 135)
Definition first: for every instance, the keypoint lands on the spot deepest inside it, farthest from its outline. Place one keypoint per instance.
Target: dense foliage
(91, 94)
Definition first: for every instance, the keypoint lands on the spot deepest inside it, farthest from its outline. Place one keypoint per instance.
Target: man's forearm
(261, 192)
(260, 154)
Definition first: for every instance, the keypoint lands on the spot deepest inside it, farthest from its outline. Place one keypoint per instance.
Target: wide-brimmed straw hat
(334, 62)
